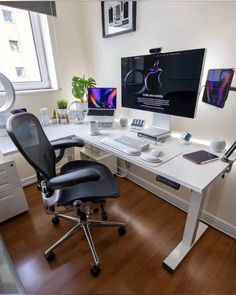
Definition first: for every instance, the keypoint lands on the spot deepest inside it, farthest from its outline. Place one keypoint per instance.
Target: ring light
(10, 94)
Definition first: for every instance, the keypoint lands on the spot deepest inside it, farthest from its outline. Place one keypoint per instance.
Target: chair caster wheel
(55, 220)
(50, 256)
(121, 230)
(95, 270)
(104, 215)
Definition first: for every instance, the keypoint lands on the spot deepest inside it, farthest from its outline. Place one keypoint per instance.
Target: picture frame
(118, 17)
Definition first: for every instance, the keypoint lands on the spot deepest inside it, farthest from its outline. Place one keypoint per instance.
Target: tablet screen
(217, 86)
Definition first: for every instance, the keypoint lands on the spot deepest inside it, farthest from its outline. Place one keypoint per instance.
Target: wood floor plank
(130, 264)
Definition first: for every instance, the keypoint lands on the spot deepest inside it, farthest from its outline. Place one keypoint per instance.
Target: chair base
(84, 225)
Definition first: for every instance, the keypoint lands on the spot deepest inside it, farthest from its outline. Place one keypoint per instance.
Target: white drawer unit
(12, 197)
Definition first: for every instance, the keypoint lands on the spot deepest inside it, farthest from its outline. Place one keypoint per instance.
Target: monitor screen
(217, 86)
(165, 83)
(102, 98)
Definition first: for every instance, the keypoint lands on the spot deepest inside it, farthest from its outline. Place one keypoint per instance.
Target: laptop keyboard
(100, 112)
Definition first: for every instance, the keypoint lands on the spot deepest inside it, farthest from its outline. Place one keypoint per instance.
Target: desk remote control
(168, 182)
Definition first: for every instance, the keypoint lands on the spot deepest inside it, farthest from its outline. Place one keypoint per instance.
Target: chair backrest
(27, 134)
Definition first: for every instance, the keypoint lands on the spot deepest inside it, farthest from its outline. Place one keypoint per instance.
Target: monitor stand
(160, 128)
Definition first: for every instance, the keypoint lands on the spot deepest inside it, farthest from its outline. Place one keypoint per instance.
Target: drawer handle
(4, 184)
(6, 197)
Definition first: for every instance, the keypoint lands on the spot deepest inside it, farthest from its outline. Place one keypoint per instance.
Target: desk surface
(174, 166)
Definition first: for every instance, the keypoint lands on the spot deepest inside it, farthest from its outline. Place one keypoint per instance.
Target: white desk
(197, 178)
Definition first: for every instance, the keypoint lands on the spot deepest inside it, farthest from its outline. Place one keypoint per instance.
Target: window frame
(17, 48)
(22, 71)
(10, 21)
(45, 82)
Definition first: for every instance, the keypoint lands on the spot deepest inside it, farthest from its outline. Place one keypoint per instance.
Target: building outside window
(7, 15)
(26, 31)
(20, 72)
(14, 45)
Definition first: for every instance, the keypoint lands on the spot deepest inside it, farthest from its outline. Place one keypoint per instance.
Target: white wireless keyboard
(136, 143)
(121, 147)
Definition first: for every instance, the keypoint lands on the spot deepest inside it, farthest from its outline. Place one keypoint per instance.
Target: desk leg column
(193, 230)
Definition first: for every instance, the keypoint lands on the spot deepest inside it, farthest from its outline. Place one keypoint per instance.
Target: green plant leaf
(80, 86)
(62, 104)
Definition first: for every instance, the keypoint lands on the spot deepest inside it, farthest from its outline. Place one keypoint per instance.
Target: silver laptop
(101, 105)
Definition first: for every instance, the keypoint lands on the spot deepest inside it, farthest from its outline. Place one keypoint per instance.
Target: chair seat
(92, 191)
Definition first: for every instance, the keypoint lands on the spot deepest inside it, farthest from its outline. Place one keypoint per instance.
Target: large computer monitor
(102, 98)
(165, 83)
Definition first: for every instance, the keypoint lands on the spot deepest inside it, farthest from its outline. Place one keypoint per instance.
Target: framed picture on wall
(118, 17)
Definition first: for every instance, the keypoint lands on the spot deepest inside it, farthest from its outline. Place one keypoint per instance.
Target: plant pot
(62, 113)
(64, 121)
(54, 120)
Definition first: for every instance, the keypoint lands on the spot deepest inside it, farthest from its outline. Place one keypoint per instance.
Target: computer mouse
(155, 152)
(150, 158)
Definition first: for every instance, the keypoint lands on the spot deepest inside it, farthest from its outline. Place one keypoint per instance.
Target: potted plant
(62, 107)
(80, 87)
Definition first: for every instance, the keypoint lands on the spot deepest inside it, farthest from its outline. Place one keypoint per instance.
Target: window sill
(33, 91)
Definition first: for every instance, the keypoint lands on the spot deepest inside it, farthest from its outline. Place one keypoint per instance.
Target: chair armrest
(67, 143)
(73, 178)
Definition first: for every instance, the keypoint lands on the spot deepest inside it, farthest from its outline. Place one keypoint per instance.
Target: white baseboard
(28, 180)
(32, 179)
(208, 218)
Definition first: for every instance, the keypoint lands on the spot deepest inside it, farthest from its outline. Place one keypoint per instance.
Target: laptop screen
(102, 98)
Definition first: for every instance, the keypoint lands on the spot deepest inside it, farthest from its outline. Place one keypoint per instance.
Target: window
(7, 15)
(20, 72)
(25, 36)
(14, 45)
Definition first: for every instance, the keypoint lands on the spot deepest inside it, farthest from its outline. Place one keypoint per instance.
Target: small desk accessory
(201, 157)
(62, 119)
(76, 112)
(123, 122)
(137, 125)
(218, 145)
(44, 118)
(186, 137)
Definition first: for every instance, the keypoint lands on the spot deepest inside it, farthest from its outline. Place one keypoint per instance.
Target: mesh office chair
(79, 186)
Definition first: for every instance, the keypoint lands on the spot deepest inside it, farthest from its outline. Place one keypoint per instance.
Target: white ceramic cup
(93, 125)
(123, 122)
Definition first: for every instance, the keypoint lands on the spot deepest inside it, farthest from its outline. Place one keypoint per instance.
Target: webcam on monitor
(155, 50)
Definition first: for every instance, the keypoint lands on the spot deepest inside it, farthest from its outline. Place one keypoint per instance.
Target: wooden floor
(129, 264)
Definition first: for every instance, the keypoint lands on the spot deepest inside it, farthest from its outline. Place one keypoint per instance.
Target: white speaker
(218, 145)
(44, 116)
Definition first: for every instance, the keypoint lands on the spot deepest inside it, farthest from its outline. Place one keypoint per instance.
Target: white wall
(175, 26)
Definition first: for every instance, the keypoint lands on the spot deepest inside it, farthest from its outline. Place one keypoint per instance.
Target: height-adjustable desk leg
(193, 230)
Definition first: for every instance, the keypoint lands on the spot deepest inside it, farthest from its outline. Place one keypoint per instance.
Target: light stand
(10, 94)
(8, 104)
(227, 160)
